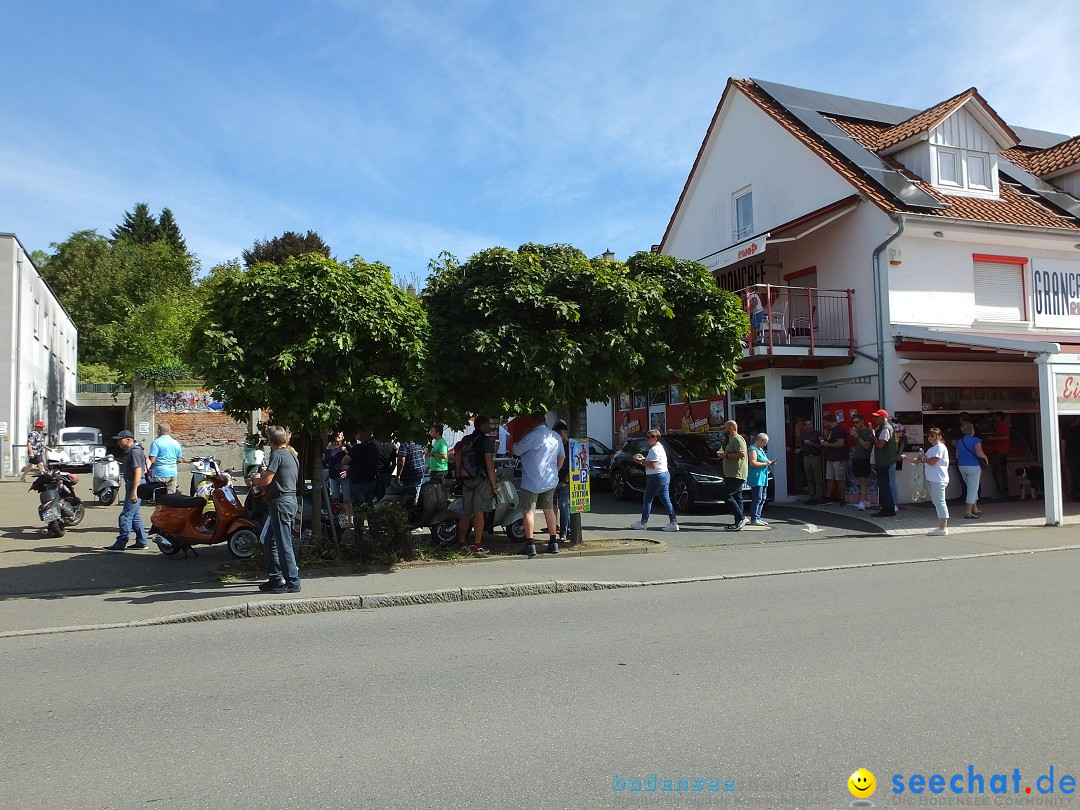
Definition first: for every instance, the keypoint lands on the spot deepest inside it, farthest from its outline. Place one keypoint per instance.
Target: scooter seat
(178, 501)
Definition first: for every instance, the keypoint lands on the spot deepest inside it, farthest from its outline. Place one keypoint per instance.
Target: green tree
(170, 231)
(139, 226)
(289, 245)
(545, 326)
(121, 296)
(315, 342)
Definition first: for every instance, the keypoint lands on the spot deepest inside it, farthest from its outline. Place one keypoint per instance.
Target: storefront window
(748, 389)
(953, 399)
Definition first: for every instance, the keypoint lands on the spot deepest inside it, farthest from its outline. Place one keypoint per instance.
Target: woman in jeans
(969, 452)
(758, 477)
(657, 480)
(562, 489)
(936, 461)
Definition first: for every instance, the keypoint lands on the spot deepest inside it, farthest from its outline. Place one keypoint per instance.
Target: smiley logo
(862, 784)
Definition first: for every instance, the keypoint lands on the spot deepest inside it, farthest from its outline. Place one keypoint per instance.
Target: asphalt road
(783, 684)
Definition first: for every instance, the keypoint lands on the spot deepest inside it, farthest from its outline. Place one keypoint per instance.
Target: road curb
(329, 604)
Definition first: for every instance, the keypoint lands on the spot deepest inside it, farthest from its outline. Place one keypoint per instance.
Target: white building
(927, 262)
(38, 349)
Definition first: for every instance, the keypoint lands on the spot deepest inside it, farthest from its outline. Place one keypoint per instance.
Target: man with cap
(35, 450)
(130, 515)
(886, 451)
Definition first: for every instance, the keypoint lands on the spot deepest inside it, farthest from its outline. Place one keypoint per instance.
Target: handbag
(983, 464)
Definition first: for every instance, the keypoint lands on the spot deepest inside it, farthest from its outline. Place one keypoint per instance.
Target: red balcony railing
(799, 317)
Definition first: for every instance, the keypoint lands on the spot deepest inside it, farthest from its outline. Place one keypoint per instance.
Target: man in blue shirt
(164, 453)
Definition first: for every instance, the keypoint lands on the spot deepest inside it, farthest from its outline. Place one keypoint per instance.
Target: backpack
(465, 465)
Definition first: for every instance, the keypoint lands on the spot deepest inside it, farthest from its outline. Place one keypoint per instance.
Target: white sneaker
(637, 524)
(758, 523)
(672, 527)
(861, 506)
(938, 532)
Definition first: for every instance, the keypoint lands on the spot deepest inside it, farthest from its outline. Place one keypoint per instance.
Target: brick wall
(203, 433)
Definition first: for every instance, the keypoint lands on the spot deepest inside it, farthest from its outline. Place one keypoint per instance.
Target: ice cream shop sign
(1068, 393)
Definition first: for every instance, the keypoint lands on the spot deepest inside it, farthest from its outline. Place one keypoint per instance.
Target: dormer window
(964, 171)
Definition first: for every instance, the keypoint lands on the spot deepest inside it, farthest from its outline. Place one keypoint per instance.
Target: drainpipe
(16, 423)
(879, 297)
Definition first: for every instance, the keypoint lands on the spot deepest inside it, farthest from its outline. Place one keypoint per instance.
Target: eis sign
(1068, 393)
(1055, 293)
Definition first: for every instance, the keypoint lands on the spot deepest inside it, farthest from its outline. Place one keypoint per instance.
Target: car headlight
(701, 478)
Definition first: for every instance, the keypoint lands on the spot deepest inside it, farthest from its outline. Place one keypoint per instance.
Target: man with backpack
(476, 468)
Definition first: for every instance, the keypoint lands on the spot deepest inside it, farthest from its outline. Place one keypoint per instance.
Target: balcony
(797, 323)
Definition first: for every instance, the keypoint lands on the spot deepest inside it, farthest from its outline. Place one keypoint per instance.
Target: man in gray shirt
(280, 478)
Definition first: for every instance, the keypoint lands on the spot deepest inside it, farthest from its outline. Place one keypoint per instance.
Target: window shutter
(999, 292)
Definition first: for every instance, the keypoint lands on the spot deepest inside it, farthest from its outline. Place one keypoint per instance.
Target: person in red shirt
(1000, 450)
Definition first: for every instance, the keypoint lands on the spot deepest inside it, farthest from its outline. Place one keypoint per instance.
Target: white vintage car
(76, 448)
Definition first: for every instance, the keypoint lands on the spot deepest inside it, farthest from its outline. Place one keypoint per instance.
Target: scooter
(180, 522)
(432, 509)
(106, 479)
(203, 469)
(507, 512)
(57, 490)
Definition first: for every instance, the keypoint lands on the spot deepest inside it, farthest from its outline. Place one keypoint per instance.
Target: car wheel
(619, 488)
(681, 494)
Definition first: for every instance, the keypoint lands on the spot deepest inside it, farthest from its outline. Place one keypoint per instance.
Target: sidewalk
(145, 587)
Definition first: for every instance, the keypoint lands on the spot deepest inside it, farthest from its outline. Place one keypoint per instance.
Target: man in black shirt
(130, 514)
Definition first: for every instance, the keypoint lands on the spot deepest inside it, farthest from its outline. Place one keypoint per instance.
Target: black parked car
(697, 474)
(599, 461)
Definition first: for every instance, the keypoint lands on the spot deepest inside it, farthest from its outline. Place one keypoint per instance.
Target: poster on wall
(658, 421)
(640, 400)
(580, 500)
(717, 413)
(624, 400)
(200, 401)
(673, 394)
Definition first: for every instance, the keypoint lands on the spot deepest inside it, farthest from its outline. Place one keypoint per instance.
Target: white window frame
(746, 230)
(963, 158)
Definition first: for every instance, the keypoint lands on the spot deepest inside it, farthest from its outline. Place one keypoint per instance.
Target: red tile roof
(924, 121)
(1013, 207)
(1057, 157)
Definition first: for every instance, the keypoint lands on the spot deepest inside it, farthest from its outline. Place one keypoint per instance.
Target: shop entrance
(796, 408)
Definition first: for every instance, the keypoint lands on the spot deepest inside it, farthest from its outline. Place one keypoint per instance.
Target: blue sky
(401, 128)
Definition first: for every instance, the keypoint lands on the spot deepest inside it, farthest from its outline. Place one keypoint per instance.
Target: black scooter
(60, 507)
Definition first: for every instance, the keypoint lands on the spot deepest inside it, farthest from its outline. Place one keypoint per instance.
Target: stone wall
(201, 431)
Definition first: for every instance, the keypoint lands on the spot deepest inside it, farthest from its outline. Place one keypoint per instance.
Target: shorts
(36, 459)
(836, 471)
(537, 500)
(476, 496)
(860, 467)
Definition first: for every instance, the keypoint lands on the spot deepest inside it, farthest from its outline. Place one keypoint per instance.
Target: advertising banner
(579, 475)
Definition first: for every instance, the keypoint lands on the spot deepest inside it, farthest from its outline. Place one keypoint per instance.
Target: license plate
(49, 513)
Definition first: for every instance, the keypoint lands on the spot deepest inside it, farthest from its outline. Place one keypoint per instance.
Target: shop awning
(927, 338)
(788, 232)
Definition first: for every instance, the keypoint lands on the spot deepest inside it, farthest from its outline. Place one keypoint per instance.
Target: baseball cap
(39, 424)
(124, 434)
(884, 414)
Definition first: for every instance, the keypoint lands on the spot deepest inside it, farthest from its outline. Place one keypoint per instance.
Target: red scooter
(181, 521)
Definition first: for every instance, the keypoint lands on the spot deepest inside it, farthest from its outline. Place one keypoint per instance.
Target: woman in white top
(657, 480)
(936, 460)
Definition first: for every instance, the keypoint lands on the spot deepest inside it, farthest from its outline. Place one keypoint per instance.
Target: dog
(1031, 481)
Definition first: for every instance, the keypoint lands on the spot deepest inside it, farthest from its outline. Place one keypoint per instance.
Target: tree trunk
(314, 465)
(578, 430)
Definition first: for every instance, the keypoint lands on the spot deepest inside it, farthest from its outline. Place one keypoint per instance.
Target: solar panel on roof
(795, 102)
(1057, 198)
(1037, 138)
